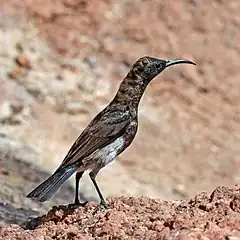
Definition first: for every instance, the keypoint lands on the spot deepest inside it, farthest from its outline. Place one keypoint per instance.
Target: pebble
(5, 111)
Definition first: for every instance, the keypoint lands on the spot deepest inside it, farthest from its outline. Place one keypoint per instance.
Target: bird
(109, 133)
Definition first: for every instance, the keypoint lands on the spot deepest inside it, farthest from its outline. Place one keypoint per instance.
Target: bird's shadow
(50, 216)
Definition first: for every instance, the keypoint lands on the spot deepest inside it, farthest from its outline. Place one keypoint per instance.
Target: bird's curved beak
(178, 61)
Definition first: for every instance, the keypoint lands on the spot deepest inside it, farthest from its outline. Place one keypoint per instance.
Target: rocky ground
(207, 216)
(61, 62)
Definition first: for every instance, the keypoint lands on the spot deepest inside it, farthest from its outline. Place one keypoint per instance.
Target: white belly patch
(104, 155)
(108, 153)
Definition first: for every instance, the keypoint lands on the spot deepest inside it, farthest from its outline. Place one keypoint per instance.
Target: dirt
(206, 216)
(61, 62)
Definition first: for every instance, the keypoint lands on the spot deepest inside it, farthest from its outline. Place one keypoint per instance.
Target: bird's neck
(130, 92)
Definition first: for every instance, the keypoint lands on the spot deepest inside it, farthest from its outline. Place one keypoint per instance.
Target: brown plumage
(108, 134)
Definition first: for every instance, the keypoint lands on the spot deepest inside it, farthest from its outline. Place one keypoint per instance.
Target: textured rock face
(63, 60)
(206, 216)
(18, 175)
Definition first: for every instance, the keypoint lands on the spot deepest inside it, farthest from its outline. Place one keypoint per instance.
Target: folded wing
(107, 126)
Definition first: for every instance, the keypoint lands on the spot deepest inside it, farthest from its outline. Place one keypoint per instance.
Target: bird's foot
(77, 204)
(103, 206)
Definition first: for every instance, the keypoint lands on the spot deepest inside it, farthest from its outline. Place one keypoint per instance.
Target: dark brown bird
(108, 134)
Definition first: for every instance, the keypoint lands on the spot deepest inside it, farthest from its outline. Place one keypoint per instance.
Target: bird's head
(146, 68)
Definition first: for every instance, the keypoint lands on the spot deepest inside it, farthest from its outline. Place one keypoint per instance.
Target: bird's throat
(130, 92)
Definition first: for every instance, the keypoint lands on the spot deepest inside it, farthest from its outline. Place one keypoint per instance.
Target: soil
(206, 216)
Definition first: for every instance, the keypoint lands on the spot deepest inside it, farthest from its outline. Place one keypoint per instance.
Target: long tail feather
(50, 186)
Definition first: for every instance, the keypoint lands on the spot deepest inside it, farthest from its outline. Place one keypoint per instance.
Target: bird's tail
(50, 186)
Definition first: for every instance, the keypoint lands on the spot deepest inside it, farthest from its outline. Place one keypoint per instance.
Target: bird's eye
(158, 65)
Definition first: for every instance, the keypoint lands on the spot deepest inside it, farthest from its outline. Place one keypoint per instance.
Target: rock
(23, 62)
(137, 218)
(70, 67)
(5, 111)
(11, 214)
(10, 113)
(17, 73)
(18, 177)
(192, 138)
(92, 61)
(76, 108)
(10, 148)
(17, 107)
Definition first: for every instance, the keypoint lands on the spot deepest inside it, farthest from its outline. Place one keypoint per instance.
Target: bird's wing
(104, 128)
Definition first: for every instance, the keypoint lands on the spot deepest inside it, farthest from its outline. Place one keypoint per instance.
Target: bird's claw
(103, 205)
(77, 204)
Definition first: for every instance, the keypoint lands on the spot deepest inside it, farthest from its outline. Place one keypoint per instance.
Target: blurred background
(61, 62)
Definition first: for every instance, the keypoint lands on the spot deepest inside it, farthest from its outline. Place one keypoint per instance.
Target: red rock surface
(206, 216)
(190, 115)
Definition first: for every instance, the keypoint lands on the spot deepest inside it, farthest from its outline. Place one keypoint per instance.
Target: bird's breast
(107, 154)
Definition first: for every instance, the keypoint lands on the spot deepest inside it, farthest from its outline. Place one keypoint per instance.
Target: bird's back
(101, 133)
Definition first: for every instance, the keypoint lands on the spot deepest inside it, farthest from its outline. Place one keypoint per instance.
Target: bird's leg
(77, 202)
(78, 177)
(93, 175)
